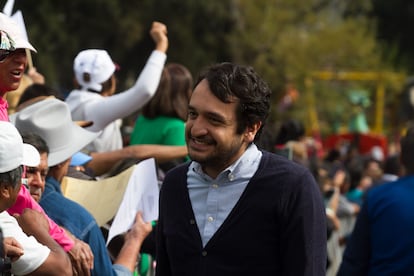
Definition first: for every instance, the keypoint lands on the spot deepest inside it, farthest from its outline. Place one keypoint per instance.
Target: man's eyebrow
(209, 114)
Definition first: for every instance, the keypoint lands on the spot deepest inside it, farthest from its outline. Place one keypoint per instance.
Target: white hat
(12, 36)
(98, 64)
(51, 120)
(13, 152)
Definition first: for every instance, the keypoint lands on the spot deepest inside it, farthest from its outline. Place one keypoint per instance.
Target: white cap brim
(25, 45)
(31, 156)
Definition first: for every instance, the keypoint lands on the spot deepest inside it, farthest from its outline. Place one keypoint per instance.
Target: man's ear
(251, 132)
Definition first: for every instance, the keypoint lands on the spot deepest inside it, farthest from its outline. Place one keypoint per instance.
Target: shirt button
(210, 219)
(231, 177)
(204, 253)
(215, 186)
(192, 221)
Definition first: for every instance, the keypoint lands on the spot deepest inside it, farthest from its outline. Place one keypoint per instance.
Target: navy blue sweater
(278, 227)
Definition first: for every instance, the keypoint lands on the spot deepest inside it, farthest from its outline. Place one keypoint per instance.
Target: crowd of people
(367, 215)
(227, 206)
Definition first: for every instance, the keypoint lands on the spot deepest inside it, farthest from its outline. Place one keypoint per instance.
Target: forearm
(124, 103)
(45, 239)
(334, 200)
(103, 161)
(25, 200)
(128, 256)
(58, 262)
(159, 152)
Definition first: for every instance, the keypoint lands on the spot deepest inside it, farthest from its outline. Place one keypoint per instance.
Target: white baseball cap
(98, 64)
(13, 152)
(12, 35)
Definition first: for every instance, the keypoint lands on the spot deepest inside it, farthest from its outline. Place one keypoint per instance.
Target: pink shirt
(3, 110)
(25, 200)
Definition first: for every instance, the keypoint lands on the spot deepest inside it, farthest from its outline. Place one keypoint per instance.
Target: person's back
(163, 118)
(162, 121)
(78, 221)
(382, 240)
(160, 130)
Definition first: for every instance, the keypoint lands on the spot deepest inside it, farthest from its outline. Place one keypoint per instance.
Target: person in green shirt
(162, 119)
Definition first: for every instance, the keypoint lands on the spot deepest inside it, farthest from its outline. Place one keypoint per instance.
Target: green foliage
(284, 40)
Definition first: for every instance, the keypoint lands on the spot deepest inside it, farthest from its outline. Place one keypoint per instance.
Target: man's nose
(198, 127)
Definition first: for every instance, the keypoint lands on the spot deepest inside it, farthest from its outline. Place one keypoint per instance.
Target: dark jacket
(278, 227)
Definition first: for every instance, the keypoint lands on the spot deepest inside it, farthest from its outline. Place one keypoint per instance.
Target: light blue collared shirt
(213, 199)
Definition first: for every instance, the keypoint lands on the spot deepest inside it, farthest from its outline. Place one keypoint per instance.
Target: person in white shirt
(39, 254)
(94, 100)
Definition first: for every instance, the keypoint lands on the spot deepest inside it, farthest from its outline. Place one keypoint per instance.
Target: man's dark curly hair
(232, 82)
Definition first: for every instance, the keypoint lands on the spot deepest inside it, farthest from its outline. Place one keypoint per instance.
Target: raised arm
(126, 102)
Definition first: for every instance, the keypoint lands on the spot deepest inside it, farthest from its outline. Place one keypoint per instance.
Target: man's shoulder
(283, 173)
(282, 163)
(178, 170)
(177, 174)
(5, 217)
(401, 185)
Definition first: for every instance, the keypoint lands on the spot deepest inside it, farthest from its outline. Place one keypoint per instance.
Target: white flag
(141, 194)
(18, 17)
(8, 8)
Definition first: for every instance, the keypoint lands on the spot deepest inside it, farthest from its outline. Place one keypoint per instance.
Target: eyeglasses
(32, 171)
(7, 45)
(4, 54)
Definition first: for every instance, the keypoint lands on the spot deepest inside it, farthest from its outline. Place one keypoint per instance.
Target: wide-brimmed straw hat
(51, 120)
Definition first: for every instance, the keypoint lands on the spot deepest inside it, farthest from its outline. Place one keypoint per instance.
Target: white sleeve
(35, 253)
(108, 109)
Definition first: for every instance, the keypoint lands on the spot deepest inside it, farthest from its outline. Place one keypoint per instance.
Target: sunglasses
(7, 45)
(4, 54)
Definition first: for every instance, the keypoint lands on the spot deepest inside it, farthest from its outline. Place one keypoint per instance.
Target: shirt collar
(235, 170)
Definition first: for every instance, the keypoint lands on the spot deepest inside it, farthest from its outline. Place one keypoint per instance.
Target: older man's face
(37, 177)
